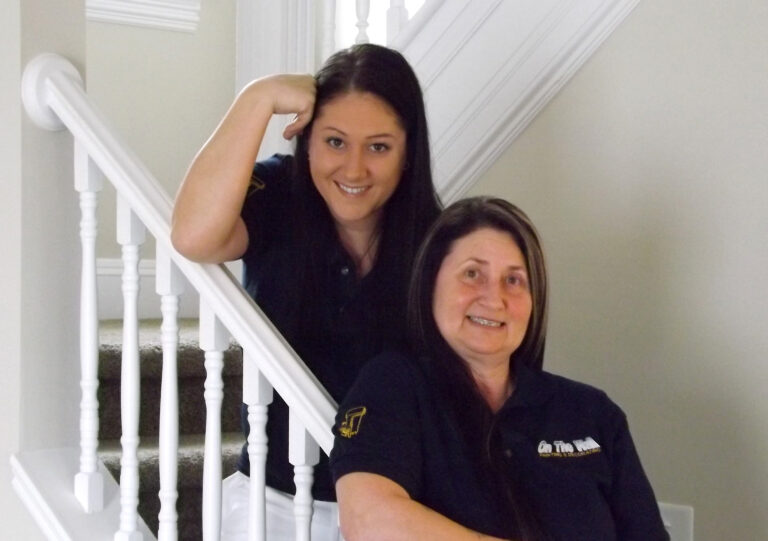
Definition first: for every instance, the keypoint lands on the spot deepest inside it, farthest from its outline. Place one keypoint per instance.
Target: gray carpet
(191, 378)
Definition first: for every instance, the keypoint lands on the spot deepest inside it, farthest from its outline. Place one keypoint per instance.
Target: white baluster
(362, 9)
(303, 453)
(397, 16)
(169, 285)
(329, 29)
(213, 340)
(258, 394)
(89, 484)
(130, 235)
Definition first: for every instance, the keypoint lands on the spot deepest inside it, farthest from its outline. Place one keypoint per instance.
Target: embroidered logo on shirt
(352, 420)
(564, 449)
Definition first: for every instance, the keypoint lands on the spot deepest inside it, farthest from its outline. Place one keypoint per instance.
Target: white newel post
(89, 484)
(169, 285)
(257, 394)
(304, 454)
(214, 339)
(130, 235)
(362, 10)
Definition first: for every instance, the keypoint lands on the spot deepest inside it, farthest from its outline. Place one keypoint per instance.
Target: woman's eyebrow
(373, 136)
(481, 261)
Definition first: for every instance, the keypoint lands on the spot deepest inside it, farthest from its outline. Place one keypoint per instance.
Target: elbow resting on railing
(198, 244)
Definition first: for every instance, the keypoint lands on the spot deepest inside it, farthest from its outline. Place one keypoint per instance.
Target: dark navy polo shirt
(344, 337)
(566, 444)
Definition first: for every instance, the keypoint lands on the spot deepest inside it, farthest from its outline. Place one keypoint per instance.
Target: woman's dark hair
(414, 204)
(451, 376)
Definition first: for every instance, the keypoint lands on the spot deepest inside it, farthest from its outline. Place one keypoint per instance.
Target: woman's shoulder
(579, 395)
(394, 366)
(272, 173)
(392, 375)
(267, 202)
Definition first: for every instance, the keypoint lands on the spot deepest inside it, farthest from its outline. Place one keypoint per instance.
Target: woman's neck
(361, 244)
(495, 384)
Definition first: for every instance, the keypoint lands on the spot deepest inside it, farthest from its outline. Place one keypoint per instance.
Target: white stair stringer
(43, 481)
(488, 67)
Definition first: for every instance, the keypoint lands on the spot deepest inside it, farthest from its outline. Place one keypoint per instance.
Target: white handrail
(54, 98)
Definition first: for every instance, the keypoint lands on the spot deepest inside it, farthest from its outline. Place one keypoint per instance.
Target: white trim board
(179, 15)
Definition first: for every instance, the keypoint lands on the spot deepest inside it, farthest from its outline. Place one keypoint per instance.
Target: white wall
(163, 92)
(10, 270)
(648, 178)
(39, 361)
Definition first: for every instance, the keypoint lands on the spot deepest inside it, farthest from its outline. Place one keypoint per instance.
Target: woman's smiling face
(482, 302)
(356, 157)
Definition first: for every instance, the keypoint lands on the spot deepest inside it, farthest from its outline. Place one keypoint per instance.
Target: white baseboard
(109, 285)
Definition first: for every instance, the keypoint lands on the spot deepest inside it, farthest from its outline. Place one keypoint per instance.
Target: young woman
(327, 236)
(467, 437)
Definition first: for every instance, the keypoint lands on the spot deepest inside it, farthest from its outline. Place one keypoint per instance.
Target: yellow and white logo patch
(565, 449)
(353, 418)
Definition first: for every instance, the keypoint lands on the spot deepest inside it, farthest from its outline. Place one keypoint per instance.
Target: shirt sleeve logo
(564, 449)
(353, 418)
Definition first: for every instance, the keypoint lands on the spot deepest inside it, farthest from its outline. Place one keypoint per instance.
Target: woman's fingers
(294, 127)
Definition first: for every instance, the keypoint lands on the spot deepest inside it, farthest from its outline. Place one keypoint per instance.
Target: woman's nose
(494, 294)
(354, 166)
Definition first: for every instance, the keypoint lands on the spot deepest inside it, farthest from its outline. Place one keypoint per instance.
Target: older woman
(467, 437)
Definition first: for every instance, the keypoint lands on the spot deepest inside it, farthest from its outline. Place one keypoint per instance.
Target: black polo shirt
(346, 333)
(567, 445)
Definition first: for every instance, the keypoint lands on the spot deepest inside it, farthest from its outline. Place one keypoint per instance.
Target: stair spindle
(169, 285)
(397, 16)
(329, 29)
(257, 394)
(89, 483)
(213, 340)
(130, 235)
(362, 10)
(304, 454)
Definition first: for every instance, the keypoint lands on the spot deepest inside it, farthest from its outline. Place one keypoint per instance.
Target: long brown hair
(453, 380)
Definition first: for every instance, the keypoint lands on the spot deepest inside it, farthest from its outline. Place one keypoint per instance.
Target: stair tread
(190, 458)
(190, 358)
(187, 442)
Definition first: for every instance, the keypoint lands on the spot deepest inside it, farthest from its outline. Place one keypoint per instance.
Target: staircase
(476, 108)
(191, 377)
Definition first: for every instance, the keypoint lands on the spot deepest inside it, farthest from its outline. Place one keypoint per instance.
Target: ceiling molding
(177, 15)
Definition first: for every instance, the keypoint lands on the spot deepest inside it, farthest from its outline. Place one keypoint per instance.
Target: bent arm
(206, 224)
(373, 507)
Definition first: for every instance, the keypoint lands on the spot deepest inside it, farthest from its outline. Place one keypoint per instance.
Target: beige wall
(648, 177)
(163, 92)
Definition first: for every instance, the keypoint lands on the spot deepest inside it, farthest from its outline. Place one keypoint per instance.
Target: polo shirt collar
(532, 388)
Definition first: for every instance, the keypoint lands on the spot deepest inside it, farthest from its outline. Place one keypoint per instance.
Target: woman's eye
(334, 142)
(379, 147)
(471, 274)
(516, 281)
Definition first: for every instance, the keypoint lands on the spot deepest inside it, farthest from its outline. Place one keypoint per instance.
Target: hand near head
(290, 94)
(206, 222)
